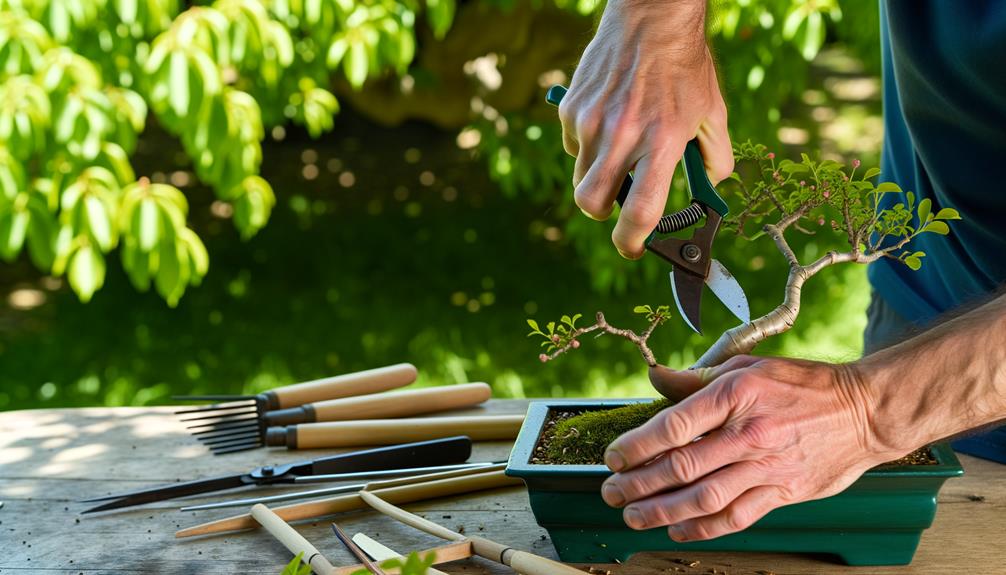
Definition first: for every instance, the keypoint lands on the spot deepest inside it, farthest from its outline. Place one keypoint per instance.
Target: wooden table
(51, 458)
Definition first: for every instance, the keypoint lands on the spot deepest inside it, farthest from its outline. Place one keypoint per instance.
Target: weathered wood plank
(51, 458)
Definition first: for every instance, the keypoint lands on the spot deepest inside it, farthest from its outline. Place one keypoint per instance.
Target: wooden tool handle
(391, 431)
(402, 403)
(520, 561)
(346, 385)
(292, 540)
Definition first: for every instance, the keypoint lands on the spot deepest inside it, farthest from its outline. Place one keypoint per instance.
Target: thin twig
(602, 325)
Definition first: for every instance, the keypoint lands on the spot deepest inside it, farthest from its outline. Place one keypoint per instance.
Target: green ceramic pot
(878, 520)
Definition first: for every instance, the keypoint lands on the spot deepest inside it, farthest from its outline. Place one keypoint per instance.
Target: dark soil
(563, 444)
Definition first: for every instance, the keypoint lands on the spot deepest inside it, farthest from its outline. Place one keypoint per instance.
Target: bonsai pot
(878, 520)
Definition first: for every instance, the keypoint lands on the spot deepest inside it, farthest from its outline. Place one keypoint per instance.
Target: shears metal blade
(691, 258)
(446, 451)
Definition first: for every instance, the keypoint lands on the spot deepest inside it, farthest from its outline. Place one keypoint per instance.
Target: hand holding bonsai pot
(774, 432)
(781, 431)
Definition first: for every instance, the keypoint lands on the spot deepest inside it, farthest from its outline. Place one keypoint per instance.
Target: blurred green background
(414, 201)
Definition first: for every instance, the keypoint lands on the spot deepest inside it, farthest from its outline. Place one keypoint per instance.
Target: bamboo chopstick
(520, 561)
(292, 540)
(395, 491)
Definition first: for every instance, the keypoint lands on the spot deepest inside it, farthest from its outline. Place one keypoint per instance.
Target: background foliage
(413, 177)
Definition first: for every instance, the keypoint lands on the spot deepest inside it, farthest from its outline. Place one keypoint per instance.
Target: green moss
(582, 439)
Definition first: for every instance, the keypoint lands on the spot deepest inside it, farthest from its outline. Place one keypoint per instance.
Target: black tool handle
(419, 454)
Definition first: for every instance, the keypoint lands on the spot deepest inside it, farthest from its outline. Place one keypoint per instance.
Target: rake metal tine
(239, 434)
(212, 397)
(223, 425)
(246, 434)
(240, 418)
(215, 407)
(236, 448)
(220, 441)
(219, 433)
(221, 414)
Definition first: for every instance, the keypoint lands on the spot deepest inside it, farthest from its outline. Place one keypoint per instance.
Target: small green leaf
(924, 210)
(41, 234)
(98, 222)
(178, 95)
(793, 168)
(885, 187)
(337, 51)
(198, 255)
(86, 272)
(948, 214)
(355, 66)
(872, 172)
(146, 224)
(642, 309)
(168, 273)
(13, 227)
(937, 227)
(814, 37)
(534, 325)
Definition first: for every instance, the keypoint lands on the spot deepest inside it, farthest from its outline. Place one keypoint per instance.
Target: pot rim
(519, 464)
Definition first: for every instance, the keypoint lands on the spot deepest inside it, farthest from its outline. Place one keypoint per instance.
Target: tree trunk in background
(529, 41)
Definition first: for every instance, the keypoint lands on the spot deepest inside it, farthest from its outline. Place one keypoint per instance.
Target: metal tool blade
(724, 285)
(382, 473)
(379, 552)
(281, 497)
(688, 297)
(360, 554)
(376, 550)
(170, 491)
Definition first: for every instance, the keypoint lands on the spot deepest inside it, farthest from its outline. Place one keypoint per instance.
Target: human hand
(645, 86)
(774, 432)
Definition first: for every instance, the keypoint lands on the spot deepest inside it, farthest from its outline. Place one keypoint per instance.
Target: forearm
(945, 381)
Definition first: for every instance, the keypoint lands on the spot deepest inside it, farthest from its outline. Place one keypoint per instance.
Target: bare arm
(945, 381)
(645, 86)
(781, 431)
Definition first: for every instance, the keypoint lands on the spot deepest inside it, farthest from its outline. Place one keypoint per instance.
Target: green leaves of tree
(158, 246)
(440, 14)
(77, 78)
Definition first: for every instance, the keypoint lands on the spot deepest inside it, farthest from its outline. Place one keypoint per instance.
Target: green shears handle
(699, 186)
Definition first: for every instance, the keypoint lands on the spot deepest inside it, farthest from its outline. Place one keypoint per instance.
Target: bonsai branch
(792, 196)
(743, 338)
(564, 336)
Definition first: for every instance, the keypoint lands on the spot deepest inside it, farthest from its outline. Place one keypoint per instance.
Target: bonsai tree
(775, 197)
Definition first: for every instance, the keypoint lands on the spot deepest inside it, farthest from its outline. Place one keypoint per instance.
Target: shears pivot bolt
(691, 252)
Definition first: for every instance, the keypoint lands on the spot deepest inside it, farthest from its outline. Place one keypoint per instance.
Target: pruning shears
(691, 258)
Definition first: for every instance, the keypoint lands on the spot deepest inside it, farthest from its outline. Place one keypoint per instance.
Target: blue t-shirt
(944, 67)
